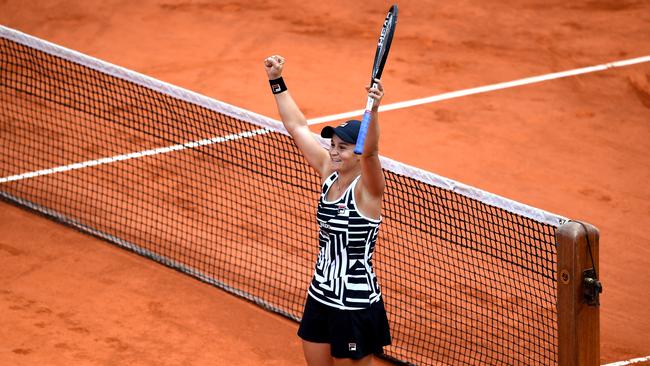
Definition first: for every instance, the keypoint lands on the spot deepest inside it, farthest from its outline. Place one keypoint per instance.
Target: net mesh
(233, 203)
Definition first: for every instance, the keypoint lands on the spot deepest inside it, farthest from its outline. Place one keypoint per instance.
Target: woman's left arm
(372, 177)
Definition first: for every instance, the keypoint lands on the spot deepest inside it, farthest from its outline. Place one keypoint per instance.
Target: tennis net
(223, 195)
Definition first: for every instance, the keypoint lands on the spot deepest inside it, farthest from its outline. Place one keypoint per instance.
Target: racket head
(384, 42)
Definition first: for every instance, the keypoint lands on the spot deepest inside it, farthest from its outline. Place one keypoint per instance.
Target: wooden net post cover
(578, 292)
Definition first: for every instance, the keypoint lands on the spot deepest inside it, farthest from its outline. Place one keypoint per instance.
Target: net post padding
(578, 322)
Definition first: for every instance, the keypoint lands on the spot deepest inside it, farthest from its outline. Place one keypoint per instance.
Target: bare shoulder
(372, 183)
(326, 172)
(369, 201)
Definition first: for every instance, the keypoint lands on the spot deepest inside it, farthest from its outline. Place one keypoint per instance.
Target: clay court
(575, 146)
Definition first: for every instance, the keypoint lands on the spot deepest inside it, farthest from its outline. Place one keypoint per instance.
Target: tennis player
(344, 321)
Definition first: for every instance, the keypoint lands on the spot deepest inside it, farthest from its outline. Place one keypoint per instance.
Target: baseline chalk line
(629, 362)
(483, 89)
(134, 155)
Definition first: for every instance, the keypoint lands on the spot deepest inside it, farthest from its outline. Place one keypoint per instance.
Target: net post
(578, 321)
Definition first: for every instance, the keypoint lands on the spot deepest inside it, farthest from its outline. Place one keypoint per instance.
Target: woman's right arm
(296, 123)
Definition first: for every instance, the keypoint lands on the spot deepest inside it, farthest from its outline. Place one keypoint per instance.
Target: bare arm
(295, 123)
(372, 177)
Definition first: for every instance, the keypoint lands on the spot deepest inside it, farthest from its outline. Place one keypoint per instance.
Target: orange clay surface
(578, 146)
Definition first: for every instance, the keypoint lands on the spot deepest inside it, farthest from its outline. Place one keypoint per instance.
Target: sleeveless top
(343, 276)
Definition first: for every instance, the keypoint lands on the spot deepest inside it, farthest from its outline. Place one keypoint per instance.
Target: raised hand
(376, 93)
(273, 66)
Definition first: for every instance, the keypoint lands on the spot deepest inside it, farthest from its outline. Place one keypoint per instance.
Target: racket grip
(363, 131)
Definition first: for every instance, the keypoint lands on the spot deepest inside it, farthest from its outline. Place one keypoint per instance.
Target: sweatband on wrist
(278, 85)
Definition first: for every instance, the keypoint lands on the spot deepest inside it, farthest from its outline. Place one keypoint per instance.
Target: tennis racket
(383, 46)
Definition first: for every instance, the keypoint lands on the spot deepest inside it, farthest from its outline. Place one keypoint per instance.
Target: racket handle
(363, 131)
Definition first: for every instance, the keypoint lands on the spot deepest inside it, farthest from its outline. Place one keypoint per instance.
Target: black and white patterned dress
(344, 277)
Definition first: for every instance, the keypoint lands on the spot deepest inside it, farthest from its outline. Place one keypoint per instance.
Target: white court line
(629, 362)
(483, 89)
(139, 154)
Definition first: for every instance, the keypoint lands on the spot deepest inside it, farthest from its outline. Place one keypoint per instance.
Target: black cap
(347, 131)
